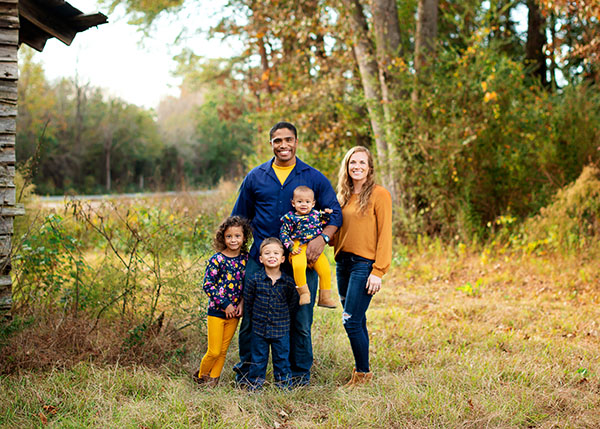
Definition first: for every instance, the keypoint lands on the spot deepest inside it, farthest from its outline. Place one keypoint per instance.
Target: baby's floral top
(301, 227)
(223, 282)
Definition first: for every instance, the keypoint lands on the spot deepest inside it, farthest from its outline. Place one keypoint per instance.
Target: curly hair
(219, 240)
(345, 186)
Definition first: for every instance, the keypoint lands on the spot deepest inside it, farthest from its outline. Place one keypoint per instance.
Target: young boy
(269, 297)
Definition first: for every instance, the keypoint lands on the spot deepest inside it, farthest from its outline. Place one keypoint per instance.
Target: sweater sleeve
(211, 285)
(286, 231)
(383, 214)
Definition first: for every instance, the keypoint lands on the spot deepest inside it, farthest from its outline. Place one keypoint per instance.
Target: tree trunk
(369, 74)
(264, 63)
(536, 40)
(427, 18)
(107, 149)
(387, 41)
(553, 45)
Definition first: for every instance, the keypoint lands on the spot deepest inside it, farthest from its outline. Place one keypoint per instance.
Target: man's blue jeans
(301, 355)
(280, 353)
(352, 272)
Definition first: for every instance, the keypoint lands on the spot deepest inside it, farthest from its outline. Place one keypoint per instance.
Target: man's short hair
(270, 240)
(280, 125)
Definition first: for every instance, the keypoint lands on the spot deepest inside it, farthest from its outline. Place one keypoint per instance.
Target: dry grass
(518, 350)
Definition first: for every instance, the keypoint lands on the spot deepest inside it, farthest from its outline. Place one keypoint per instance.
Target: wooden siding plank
(8, 125)
(5, 245)
(6, 227)
(8, 111)
(9, 70)
(7, 140)
(9, 37)
(8, 52)
(5, 299)
(8, 8)
(16, 210)
(9, 21)
(8, 91)
(7, 175)
(7, 155)
(8, 197)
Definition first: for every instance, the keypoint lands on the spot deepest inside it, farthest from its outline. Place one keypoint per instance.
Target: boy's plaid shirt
(269, 305)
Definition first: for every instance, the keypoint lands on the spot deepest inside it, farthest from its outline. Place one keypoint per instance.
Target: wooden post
(9, 45)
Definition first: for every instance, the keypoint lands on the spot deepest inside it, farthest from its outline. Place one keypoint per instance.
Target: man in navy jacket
(265, 196)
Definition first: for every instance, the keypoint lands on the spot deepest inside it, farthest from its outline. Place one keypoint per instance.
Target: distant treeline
(74, 138)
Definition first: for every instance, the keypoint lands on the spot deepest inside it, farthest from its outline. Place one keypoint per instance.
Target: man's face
(284, 146)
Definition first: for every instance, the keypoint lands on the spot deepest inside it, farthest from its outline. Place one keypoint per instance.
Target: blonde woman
(363, 250)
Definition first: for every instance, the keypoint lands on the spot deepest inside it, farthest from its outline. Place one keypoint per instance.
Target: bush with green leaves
(126, 261)
(485, 141)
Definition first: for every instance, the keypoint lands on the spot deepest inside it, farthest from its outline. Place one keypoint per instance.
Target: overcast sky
(116, 57)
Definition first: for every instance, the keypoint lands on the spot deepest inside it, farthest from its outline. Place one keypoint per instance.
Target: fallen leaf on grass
(43, 418)
(50, 409)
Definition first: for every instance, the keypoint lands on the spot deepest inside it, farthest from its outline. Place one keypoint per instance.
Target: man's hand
(230, 311)
(314, 248)
(373, 284)
(239, 311)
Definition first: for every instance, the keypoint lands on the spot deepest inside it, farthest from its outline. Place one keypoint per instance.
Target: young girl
(223, 282)
(298, 227)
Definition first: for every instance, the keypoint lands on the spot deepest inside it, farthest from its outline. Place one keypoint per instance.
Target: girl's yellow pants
(321, 266)
(220, 333)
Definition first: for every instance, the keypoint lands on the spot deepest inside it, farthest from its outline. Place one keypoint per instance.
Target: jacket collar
(267, 167)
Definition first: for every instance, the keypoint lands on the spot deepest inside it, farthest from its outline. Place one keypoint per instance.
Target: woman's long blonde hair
(345, 187)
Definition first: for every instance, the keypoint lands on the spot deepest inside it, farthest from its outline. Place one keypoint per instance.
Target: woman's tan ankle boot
(358, 379)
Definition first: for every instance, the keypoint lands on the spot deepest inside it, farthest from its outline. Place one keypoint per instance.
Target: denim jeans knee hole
(345, 317)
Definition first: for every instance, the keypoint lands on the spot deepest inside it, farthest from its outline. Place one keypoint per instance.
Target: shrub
(572, 220)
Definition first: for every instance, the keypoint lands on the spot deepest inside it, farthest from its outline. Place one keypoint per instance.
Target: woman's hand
(373, 284)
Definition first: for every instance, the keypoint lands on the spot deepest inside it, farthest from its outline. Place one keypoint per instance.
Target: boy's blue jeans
(280, 352)
(301, 354)
(352, 272)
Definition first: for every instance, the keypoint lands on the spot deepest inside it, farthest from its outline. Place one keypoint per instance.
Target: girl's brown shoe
(325, 299)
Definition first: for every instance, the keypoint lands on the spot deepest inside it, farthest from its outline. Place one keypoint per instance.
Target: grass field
(459, 339)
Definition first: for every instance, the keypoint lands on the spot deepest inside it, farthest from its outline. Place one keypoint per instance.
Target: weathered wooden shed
(32, 22)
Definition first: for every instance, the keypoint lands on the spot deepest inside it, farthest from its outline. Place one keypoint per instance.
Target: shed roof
(41, 20)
